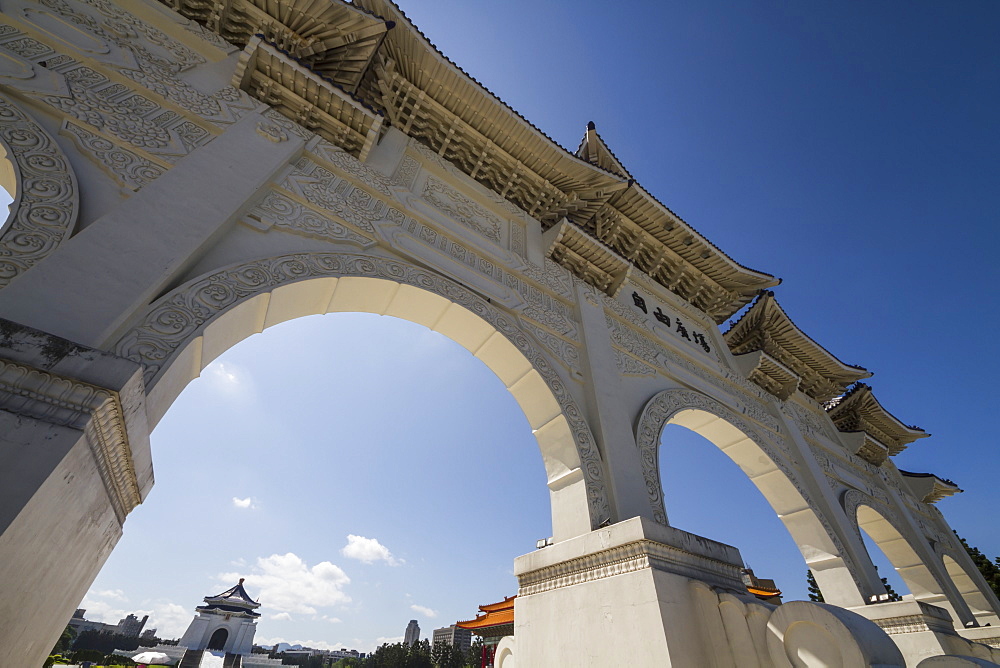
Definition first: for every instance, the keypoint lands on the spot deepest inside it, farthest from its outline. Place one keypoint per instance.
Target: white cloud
(288, 584)
(99, 609)
(244, 503)
(424, 610)
(116, 594)
(169, 619)
(283, 616)
(383, 640)
(332, 620)
(368, 551)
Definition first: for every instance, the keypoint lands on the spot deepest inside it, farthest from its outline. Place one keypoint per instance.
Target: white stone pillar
(609, 419)
(75, 450)
(848, 579)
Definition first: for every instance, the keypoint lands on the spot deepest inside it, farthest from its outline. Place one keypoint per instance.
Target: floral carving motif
(635, 343)
(89, 107)
(330, 192)
(283, 213)
(462, 209)
(406, 172)
(553, 276)
(565, 351)
(46, 203)
(129, 169)
(178, 317)
(127, 31)
(346, 162)
(271, 132)
(807, 421)
(630, 366)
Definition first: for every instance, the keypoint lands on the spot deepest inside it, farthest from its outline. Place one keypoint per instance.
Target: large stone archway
(190, 174)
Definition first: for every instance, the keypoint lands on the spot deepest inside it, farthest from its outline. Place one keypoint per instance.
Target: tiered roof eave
(498, 619)
(860, 397)
(928, 487)
(424, 49)
(765, 326)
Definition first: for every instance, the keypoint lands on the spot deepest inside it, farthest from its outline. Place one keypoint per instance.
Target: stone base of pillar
(921, 631)
(639, 593)
(74, 446)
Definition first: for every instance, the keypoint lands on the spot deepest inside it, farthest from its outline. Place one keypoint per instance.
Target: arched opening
(760, 460)
(970, 592)
(739, 516)
(884, 567)
(570, 458)
(916, 577)
(218, 639)
(8, 186)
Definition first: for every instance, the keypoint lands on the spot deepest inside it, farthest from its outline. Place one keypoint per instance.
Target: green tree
(93, 655)
(815, 595)
(989, 569)
(65, 641)
(474, 657)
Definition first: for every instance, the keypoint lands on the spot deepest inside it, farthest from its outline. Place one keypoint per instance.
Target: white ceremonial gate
(187, 174)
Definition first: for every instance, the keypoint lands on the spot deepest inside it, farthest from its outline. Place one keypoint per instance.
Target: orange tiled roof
(492, 618)
(763, 592)
(506, 603)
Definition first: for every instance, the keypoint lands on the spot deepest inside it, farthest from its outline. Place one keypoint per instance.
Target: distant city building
(148, 633)
(80, 624)
(454, 635)
(131, 626)
(412, 634)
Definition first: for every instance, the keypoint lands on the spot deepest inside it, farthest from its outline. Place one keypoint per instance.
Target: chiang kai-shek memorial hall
(188, 173)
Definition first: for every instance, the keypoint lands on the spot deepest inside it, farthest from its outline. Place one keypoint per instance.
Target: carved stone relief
(347, 163)
(630, 366)
(179, 316)
(46, 203)
(562, 349)
(462, 209)
(630, 341)
(406, 172)
(448, 167)
(281, 212)
(129, 169)
(330, 193)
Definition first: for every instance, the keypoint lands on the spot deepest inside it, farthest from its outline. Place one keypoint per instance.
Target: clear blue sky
(848, 147)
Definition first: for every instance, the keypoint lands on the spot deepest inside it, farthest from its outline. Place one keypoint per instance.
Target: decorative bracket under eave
(928, 487)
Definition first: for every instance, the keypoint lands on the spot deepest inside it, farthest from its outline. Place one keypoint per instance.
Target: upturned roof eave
(590, 174)
(862, 394)
(938, 479)
(766, 305)
(756, 280)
